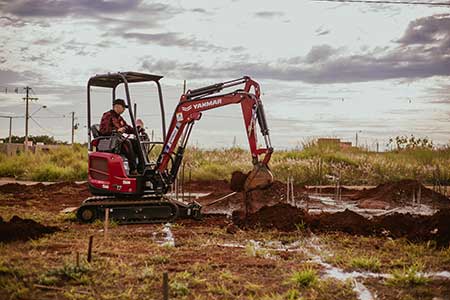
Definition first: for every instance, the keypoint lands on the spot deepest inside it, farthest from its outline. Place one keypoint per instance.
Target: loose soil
(22, 229)
(268, 208)
(288, 218)
(212, 258)
(400, 193)
(49, 197)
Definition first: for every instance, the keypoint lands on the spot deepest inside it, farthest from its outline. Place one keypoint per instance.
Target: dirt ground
(278, 251)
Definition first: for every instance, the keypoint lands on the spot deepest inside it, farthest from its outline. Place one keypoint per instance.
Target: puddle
(164, 237)
(329, 271)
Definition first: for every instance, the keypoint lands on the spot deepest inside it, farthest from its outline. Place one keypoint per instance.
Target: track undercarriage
(146, 209)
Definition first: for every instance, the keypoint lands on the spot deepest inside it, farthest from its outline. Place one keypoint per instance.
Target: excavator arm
(189, 110)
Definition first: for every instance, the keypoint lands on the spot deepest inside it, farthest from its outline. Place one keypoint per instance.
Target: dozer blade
(259, 178)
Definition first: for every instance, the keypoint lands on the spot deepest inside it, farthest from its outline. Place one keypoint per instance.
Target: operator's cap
(121, 102)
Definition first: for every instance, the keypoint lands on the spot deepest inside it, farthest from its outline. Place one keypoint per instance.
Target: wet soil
(400, 193)
(288, 218)
(49, 197)
(268, 208)
(23, 229)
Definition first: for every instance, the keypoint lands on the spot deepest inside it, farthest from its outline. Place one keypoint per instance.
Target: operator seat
(95, 130)
(104, 143)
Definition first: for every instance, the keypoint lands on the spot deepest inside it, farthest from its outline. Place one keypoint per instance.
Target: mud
(285, 217)
(49, 197)
(280, 216)
(23, 229)
(400, 193)
(269, 208)
(238, 181)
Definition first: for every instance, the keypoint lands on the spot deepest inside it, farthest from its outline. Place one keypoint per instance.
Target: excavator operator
(111, 122)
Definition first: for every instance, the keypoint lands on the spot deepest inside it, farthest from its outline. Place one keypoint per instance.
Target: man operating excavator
(111, 122)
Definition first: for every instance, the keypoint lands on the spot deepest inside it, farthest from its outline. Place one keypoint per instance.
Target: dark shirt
(113, 121)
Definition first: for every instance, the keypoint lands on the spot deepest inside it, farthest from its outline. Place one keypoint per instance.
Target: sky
(326, 69)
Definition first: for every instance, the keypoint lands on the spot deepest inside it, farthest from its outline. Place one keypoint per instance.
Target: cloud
(169, 39)
(269, 14)
(199, 10)
(321, 31)
(320, 53)
(62, 8)
(13, 22)
(422, 52)
(11, 77)
(428, 30)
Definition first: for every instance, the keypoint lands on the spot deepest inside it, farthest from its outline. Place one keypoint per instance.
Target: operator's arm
(121, 123)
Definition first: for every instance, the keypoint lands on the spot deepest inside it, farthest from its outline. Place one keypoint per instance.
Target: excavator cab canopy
(112, 81)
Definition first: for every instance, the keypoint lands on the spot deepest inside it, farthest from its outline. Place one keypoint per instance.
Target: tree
(47, 140)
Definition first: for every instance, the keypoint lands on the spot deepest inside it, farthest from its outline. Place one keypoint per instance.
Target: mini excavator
(143, 198)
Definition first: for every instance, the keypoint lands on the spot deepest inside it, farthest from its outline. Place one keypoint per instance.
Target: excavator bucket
(259, 178)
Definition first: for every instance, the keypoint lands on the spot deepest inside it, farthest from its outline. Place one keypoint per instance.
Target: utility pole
(184, 86)
(27, 114)
(73, 126)
(10, 130)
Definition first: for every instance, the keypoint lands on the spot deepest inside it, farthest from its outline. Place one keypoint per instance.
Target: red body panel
(189, 111)
(106, 172)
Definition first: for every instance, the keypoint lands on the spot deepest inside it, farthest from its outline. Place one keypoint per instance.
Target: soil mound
(275, 194)
(280, 216)
(285, 217)
(402, 193)
(416, 227)
(22, 229)
(344, 221)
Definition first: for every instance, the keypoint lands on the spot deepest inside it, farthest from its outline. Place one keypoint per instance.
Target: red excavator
(143, 198)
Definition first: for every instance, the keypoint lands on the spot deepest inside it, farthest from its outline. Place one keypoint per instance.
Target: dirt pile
(252, 201)
(23, 229)
(280, 216)
(400, 193)
(288, 218)
(344, 221)
(275, 194)
(53, 196)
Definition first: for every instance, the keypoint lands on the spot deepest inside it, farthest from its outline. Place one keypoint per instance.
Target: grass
(309, 165)
(62, 164)
(366, 263)
(304, 278)
(129, 265)
(383, 255)
(407, 277)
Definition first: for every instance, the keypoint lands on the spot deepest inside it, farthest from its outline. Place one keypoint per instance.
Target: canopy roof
(111, 80)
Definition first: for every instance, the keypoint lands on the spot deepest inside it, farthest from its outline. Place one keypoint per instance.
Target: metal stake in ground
(106, 222)
(89, 254)
(165, 286)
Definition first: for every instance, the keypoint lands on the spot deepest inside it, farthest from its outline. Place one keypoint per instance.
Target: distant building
(334, 141)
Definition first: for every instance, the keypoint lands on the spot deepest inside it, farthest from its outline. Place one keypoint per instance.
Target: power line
(389, 2)
(44, 129)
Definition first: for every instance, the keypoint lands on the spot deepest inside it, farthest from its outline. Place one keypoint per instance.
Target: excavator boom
(189, 110)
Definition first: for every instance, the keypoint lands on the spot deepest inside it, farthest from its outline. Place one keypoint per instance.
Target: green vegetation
(62, 164)
(366, 263)
(407, 277)
(311, 165)
(304, 278)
